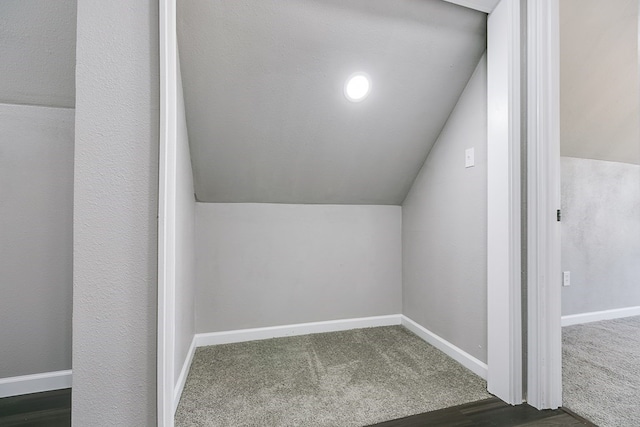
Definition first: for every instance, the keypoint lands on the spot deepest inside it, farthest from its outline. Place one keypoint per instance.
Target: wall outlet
(566, 278)
(469, 158)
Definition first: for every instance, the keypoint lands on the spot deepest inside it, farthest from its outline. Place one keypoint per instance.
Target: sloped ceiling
(267, 118)
(38, 51)
(599, 76)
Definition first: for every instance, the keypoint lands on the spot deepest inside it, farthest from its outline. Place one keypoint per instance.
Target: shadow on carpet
(601, 371)
(351, 378)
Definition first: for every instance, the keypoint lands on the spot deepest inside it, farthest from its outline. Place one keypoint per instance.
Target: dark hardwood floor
(47, 409)
(53, 409)
(490, 413)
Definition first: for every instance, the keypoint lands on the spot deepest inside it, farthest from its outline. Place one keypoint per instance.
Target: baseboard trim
(36, 383)
(255, 334)
(465, 359)
(182, 379)
(242, 335)
(596, 316)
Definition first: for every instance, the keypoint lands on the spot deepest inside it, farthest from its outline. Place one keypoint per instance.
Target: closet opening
(331, 256)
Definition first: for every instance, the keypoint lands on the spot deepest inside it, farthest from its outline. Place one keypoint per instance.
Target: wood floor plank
(489, 413)
(560, 420)
(47, 409)
(53, 409)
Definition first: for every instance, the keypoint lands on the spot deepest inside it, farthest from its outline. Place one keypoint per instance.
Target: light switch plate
(469, 158)
(566, 278)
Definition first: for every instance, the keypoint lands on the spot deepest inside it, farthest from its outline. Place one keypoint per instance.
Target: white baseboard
(465, 359)
(243, 335)
(36, 383)
(596, 316)
(182, 379)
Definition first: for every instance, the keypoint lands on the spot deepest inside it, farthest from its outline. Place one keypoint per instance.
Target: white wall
(115, 212)
(36, 207)
(185, 241)
(268, 264)
(444, 229)
(600, 235)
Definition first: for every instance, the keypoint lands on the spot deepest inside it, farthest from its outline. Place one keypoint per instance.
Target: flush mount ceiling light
(357, 87)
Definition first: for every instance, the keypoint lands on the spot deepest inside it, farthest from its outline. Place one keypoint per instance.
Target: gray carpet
(601, 371)
(351, 378)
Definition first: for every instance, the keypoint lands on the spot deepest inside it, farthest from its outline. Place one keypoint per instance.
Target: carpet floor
(601, 371)
(351, 378)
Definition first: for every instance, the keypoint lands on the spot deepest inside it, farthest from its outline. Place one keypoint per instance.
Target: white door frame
(504, 248)
(544, 341)
(167, 214)
(504, 296)
(544, 373)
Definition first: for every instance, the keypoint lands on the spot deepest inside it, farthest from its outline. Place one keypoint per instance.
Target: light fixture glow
(357, 87)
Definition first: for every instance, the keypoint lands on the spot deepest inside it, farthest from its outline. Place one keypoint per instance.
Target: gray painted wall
(185, 241)
(600, 235)
(37, 47)
(115, 214)
(268, 264)
(444, 229)
(36, 207)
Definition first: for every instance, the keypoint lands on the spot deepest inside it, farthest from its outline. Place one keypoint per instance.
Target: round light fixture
(357, 87)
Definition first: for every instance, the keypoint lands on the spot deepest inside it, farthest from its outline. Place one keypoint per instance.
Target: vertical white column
(167, 213)
(504, 377)
(544, 374)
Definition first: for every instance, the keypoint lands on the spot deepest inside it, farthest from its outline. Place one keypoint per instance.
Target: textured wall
(265, 265)
(115, 214)
(600, 235)
(185, 241)
(36, 206)
(444, 229)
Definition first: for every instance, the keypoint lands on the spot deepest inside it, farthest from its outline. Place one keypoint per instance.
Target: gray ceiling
(263, 84)
(599, 90)
(38, 52)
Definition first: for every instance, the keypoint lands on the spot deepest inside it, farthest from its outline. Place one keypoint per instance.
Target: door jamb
(504, 296)
(167, 214)
(544, 382)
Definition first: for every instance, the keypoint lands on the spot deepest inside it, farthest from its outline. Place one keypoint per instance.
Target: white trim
(485, 6)
(465, 359)
(504, 303)
(182, 378)
(242, 335)
(36, 383)
(167, 214)
(544, 373)
(596, 316)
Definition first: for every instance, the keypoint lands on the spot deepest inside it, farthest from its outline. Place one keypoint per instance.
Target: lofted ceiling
(263, 86)
(38, 51)
(599, 80)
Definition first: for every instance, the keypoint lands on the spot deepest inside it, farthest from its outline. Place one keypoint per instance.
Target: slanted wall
(444, 229)
(185, 241)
